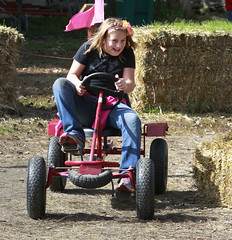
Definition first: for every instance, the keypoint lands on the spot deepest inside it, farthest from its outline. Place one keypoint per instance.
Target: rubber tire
(159, 155)
(36, 187)
(90, 181)
(145, 189)
(56, 158)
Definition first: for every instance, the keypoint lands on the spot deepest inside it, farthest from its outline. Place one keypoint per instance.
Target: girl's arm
(127, 82)
(74, 74)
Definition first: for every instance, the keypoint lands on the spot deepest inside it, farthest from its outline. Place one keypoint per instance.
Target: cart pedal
(73, 149)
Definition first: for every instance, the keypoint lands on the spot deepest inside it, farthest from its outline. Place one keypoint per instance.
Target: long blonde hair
(98, 38)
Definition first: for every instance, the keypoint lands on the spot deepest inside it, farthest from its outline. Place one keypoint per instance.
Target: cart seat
(110, 131)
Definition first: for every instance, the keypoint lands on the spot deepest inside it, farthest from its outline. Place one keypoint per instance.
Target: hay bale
(183, 71)
(10, 41)
(213, 171)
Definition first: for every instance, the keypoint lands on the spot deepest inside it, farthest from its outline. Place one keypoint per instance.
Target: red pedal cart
(149, 177)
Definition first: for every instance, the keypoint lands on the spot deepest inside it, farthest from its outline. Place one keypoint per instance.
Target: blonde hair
(97, 40)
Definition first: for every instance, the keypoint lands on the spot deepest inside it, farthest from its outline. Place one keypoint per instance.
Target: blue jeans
(229, 15)
(75, 112)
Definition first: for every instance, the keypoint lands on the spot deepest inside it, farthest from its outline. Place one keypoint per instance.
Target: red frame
(157, 129)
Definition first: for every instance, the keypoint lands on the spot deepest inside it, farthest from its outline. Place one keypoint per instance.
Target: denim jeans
(75, 112)
(229, 15)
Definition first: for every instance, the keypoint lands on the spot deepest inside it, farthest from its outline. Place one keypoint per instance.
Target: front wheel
(145, 187)
(36, 187)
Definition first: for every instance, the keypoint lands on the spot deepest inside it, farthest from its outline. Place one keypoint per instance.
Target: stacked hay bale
(213, 171)
(183, 70)
(10, 41)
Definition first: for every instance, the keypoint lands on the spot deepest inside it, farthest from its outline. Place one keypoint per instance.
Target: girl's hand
(120, 84)
(80, 88)
(74, 76)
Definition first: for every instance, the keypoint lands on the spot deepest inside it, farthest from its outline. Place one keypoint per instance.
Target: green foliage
(37, 102)
(61, 47)
(44, 26)
(3, 23)
(5, 129)
(204, 10)
(163, 13)
(154, 109)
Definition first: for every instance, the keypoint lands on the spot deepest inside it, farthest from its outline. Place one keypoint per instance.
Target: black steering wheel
(101, 81)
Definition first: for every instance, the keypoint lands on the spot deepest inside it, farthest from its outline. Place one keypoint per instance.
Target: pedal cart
(149, 177)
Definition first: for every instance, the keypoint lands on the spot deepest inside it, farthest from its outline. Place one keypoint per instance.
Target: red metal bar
(50, 173)
(113, 151)
(96, 125)
(61, 174)
(96, 163)
(132, 177)
(90, 170)
(143, 145)
(120, 175)
(130, 174)
(99, 140)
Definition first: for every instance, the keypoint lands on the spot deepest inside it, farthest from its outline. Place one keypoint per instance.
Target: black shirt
(107, 63)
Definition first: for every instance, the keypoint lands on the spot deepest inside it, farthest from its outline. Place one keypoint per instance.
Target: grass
(37, 102)
(48, 44)
(15, 126)
(211, 26)
(62, 47)
(6, 128)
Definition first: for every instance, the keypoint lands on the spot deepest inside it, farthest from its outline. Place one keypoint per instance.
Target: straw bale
(213, 171)
(183, 70)
(10, 41)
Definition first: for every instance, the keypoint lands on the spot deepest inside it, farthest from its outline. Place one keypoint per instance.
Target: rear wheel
(56, 158)
(36, 187)
(159, 155)
(145, 187)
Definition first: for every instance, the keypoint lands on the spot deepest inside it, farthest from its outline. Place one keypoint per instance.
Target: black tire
(159, 155)
(36, 187)
(55, 157)
(90, 181)
(145, 188)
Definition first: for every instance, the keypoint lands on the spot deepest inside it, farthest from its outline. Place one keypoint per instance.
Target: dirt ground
(95, 214)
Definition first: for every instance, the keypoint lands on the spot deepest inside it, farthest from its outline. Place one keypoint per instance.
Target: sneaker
(125, 186)
(70, 142)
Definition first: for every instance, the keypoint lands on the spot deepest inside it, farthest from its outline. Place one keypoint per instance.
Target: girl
(111, 51)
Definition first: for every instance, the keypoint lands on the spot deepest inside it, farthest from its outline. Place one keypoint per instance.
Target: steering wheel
(101, 81)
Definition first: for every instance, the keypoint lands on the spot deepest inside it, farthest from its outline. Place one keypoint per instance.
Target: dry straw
(10, 41)
(213, 171)
(183, 71)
